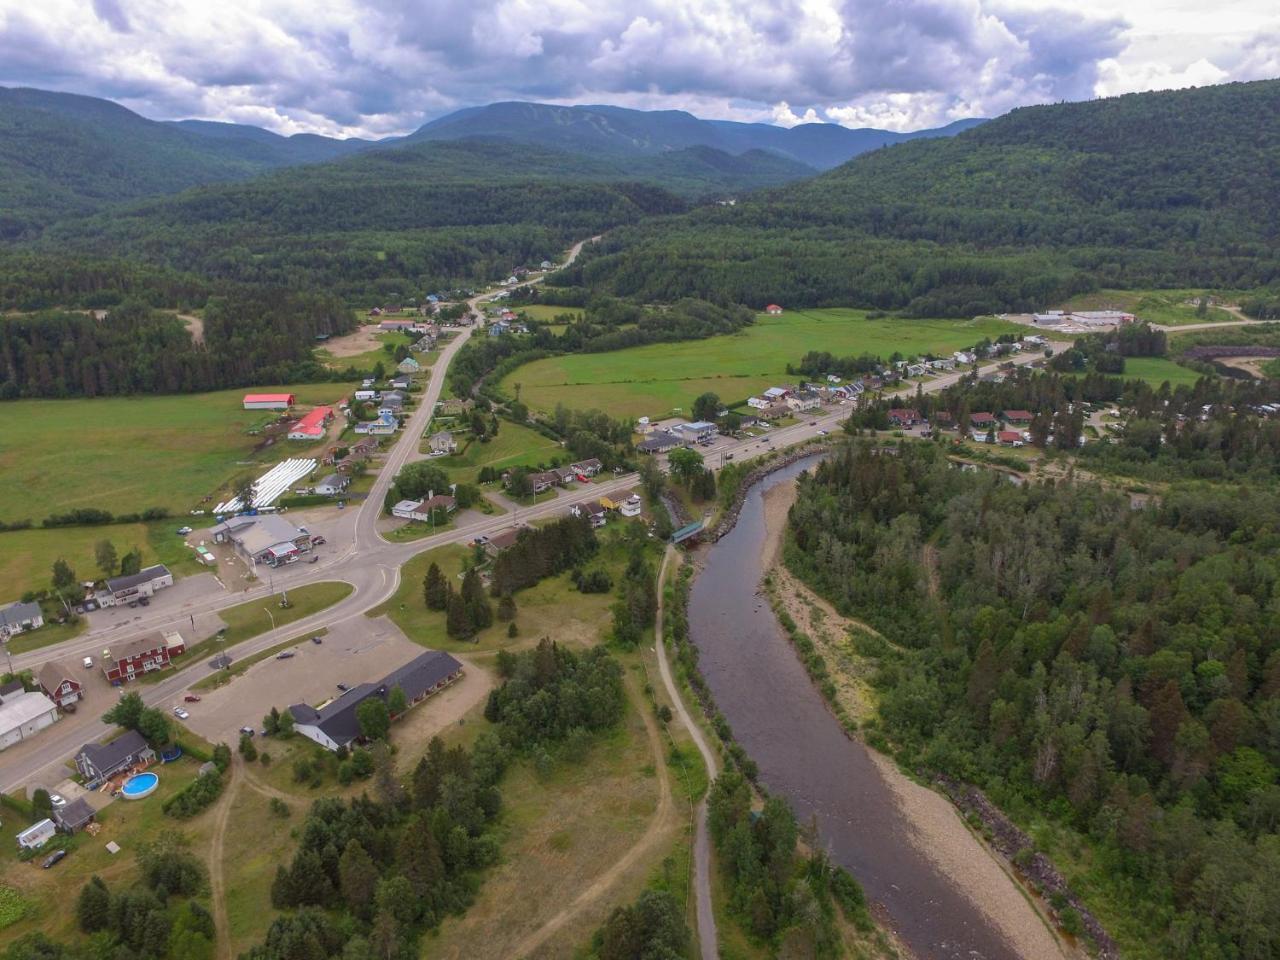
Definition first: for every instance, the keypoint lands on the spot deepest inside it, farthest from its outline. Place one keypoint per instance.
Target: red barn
(773, 310)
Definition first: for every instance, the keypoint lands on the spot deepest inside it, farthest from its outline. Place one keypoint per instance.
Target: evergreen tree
(357, 877)
(458, 623)
(479, 611)
(93, 907)
(435, 589)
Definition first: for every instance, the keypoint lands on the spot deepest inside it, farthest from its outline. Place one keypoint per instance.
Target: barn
(268, 401)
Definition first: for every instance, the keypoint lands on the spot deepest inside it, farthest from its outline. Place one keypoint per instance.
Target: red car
(191, 698)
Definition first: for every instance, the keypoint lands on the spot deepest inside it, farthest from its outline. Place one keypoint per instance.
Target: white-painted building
(23, 715)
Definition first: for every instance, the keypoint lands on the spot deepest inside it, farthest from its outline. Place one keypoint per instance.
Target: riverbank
(937, 830)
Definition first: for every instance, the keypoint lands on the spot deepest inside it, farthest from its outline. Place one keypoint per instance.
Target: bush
(194, 797)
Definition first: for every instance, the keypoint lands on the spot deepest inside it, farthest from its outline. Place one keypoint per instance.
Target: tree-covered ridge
(1117, 669)
(1155, 189)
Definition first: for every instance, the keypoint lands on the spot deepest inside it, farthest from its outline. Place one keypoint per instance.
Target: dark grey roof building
(98, 761)
(70, 817)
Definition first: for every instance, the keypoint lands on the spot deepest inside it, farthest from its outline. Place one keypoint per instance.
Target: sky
(376, 68)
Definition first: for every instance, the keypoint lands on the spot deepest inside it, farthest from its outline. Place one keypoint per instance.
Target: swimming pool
(140, 785)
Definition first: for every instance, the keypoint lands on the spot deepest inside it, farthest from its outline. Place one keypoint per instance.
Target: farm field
(514, 446)
(656, 379)
(125, 454)
(1168, 307)
(547, 313)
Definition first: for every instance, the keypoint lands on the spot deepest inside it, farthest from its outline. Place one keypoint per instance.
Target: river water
(803, 755)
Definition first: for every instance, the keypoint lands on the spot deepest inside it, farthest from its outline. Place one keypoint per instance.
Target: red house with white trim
(144, 655)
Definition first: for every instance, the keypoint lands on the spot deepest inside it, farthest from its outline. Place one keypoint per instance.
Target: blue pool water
(139, 785)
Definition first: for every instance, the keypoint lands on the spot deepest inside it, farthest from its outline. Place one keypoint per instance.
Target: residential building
(268, 401)
(660, 441)
(981, 421)
(774, 394)
(19, 617)
(442, 442)
(37, 835)
(266, 538)
(400, 383)
(313, 424)
(98, 762)
(1009, 438)
(1020, 417)
(133, 586)
(336, 725)
(58, 685)
(455, 406)
(587, 468)
(630, 507)
(74, 815)
(903, 417)
(564, 475)
(333, 485)
(422, 509)
(944, 363)
(773, 310)
(593, 511)
(501, 541)
(963, 356)
(544, 481)
(916, 370)
(366, 394)
(408, 365)
(136, 657)
(23, 715)
(385, 425)
(804, 400)
(774, 411)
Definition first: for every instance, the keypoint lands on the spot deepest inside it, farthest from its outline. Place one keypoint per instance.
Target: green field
(1165, 307)
(126, 454)
(1156, 370)
(514, 446)
(366, 360)
(547, 313)
(653, 380)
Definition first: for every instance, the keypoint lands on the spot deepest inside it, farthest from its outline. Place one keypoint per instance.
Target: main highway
(364, 558)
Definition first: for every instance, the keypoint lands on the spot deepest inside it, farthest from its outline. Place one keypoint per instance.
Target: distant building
(773, 310)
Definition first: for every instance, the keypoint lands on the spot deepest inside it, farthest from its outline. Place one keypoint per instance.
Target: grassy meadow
(655, 379)
(1156, 370)
(126, 454)
(514, 446)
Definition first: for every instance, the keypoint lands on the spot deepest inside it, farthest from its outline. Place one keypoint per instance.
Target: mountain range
(63, 155)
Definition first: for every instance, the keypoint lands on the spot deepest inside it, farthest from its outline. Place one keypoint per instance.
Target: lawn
(548, 313)
(514, 446)
(1156, 370)
(125, 454)
(27, 556)
(1166, 307)
(657, 379)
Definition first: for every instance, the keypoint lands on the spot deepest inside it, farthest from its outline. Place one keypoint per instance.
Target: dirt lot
(353, 344)
(355, 652)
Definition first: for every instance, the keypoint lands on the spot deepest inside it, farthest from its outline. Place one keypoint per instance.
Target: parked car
(192, 698)
(813, 423)
(247, 731)
(343, 687)
(88, 663)
(313, 559)
(53, 858)
(57, 800)
(183, 531)
(318, 541)
(181, 714)
(822, 433)
(317, 639)
(284, 655)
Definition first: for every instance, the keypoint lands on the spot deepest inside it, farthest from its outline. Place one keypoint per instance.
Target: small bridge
(687, 533)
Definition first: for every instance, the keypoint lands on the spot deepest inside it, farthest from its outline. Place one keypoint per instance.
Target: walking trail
(217, 882)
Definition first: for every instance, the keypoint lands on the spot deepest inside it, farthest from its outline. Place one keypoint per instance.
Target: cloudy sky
(380, 67)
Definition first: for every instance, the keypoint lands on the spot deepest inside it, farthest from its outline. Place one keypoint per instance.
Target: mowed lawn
(654, 380)
(1156, 370)
(514, 446)
(125, 454)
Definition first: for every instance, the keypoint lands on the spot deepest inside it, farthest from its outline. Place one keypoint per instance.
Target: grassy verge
(47, 636)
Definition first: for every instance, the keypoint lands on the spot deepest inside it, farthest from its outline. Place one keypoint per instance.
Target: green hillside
(1150, 190)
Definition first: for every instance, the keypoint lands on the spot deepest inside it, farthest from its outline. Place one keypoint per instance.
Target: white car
(57, 800)
(183, 531)
(180, 713)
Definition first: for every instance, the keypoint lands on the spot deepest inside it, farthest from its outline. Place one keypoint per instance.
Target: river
(804, 756)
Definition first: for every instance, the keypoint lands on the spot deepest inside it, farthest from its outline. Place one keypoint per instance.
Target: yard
(125, 454)
(514, 446)
(654, 380)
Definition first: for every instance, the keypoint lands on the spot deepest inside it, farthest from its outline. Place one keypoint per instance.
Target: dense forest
(248, 338)
(1115, 669)
(1152, 189)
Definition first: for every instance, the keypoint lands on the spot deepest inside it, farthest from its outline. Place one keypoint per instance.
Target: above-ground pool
(139, 785)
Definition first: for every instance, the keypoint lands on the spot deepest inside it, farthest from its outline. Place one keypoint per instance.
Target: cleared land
(656, 379)
(1166, 307)
(1156, 370)
(126, 454)
(362, 349)
(548, 313)
(514, 446)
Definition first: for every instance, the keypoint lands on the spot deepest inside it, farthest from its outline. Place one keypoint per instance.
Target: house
(134, 658)
(983, 421)
(773, 310)
(312, 425)
(804, 400)
(565, 475)
(37, 835)
(408, 365)
(401, 383)
(630, 507)
(699, 431)
(19, 617)
(593, 511)
(774, 394)
(73, 816)
(943, 420)
(364, 395)
(1021, 417)
(501, 541)
(267, 538)
(916, 370)
(544, 481)
(333, 485)
(424, 344)
(545, 265)
(903, 417)
(455, 407)
(23, 715)
(58, 685)
(133, 586)
(963, 356)
(336, 725)
(98, 762)
(392, 402)
(268, 401)
(385, 425)
(422, 510)
(375, 312)
(1035, 340)
(1009, 438)
(587, 468)
(757, 403)
(660, 441)
(944, 363)
(442, 443)
(774, 411)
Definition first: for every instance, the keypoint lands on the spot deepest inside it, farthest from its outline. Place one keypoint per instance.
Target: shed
(37, 835)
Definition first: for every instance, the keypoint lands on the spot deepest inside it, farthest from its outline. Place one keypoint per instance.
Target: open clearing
(1166, 307)
(655, 379)
(1156, 370)
(363, 348)
(548, 313)
(126, 454)
(514, 446)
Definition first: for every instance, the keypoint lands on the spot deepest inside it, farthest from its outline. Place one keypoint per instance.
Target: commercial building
(134, 586)
(267, 538)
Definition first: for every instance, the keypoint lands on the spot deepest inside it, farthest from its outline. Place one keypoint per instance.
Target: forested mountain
(620, 131)
(62, 154)
(1154, 189)
(389, 221)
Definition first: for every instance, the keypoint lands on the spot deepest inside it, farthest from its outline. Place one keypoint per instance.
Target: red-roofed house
(268, 401)
(773, 310)
(1009, 438)
(312, 426)
(900, 417)
(984, 420)
(1018, 416)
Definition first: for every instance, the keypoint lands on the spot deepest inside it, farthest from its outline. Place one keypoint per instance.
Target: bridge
(688, 532)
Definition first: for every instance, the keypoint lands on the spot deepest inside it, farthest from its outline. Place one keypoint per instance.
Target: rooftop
(116, 584)
(18, 612)
(22, 709)
(105, 757)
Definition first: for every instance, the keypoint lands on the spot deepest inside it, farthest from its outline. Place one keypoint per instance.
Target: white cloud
(375, 67)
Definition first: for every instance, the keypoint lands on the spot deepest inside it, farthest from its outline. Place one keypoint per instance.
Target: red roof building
(268, 401)
(312, 425)
(1018, 416)
(773, 310)
(981, 419)
(900, 417)
(1009, 437)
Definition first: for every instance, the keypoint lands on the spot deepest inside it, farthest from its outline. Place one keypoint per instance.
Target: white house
(332, 485)
(134, 586)
(37, 835)
(19, 617)
(804, 400)
(630, 506)
(442, 442)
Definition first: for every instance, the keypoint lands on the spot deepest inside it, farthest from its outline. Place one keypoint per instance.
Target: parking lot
(357, 651)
